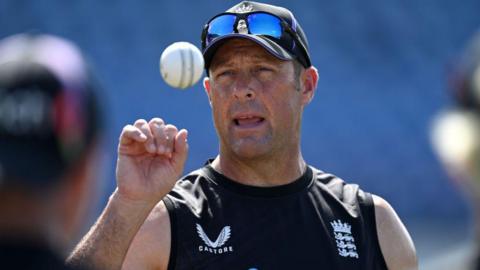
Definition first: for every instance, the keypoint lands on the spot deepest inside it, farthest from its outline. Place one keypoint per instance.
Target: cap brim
(269, 45)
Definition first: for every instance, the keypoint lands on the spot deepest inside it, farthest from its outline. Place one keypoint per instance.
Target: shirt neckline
(298, 185)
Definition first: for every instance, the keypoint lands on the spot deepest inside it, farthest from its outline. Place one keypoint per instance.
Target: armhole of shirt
(370, 206)
(170, 205)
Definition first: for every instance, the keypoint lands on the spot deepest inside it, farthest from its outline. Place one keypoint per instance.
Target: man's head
(260, 79)
(456, 132)
(49, 124)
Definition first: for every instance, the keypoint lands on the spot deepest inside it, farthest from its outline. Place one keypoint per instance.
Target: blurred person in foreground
(49, 130)
(456, 134)
(257, 205)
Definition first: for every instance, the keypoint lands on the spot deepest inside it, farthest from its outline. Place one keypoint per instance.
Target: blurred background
(382, 65)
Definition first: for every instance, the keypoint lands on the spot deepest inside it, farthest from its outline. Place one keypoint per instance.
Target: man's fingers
(149, 143)
(165, 139)
(181, 147)
(170, 134)
(156, 120)
(157, 138)
(130, 134)
(157, 128)
(164, 136)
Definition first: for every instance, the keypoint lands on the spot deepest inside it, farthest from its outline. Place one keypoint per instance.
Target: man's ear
(310, 81)
(207, 87)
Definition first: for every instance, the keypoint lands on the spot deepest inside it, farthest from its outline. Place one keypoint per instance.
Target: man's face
(256, 101)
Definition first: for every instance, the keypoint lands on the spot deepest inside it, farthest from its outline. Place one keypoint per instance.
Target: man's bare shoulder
(395, 241)
(150, 249)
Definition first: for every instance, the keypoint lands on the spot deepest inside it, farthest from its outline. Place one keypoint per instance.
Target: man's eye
(225, 73)
(264, 69)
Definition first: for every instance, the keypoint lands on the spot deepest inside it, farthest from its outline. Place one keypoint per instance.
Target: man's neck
(262, 173)
(20, 221)
(28, 219)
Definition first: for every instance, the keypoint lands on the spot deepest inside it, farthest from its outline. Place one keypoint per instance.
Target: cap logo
(242, 27)
(25, 112)
(244, 8)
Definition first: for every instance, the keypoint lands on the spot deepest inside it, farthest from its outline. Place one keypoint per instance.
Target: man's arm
(151, 157)
(107, 242)
(395, 241)
(150, 249)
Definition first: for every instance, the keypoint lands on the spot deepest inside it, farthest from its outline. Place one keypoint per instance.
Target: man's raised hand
(151, 157)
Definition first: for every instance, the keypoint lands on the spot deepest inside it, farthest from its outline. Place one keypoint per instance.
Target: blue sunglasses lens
(220, 26)
(264, 24)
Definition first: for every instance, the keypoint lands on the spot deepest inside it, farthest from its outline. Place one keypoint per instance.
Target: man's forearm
(107, 242)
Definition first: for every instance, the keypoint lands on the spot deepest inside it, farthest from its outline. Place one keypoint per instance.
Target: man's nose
(244, 88)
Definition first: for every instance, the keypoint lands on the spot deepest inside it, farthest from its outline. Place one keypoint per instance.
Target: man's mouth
(248, 121)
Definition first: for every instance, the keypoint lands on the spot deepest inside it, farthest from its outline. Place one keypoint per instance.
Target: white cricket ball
(181, 65)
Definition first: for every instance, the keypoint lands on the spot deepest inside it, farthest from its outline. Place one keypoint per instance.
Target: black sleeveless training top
(315, 222)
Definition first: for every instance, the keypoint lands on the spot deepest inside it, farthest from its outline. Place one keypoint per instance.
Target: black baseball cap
(292, 45)
(48, 109)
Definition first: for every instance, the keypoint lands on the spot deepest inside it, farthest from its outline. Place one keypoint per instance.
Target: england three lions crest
(344, 239)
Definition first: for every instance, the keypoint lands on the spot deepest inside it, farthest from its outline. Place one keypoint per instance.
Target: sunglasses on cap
(255, 23)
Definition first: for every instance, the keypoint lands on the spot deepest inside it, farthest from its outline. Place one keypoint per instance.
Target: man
(49, 129)
(257, 205)
(456, 139)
